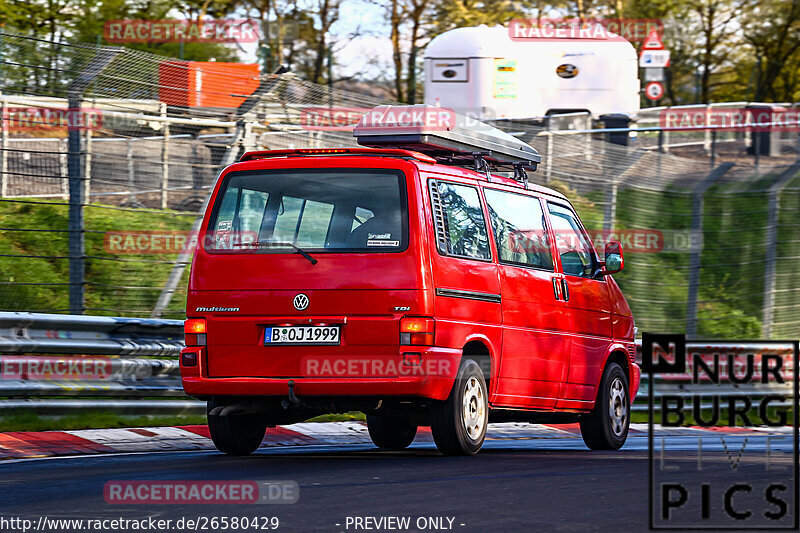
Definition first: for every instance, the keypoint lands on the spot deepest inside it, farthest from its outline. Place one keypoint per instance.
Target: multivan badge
(217, 310)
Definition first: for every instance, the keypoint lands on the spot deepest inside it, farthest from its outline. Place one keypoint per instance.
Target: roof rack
(391, 152)
(448, 137)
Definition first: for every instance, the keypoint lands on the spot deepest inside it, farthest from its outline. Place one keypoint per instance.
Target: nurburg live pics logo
(745, 475)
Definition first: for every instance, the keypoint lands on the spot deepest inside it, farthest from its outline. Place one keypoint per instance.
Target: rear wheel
(606, 427)
(236, 434)
(390, 432)
(459, 423)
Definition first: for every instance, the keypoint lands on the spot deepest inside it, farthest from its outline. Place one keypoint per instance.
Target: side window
(460, 225)
(574, 248)
(240, 214)
(519, 229)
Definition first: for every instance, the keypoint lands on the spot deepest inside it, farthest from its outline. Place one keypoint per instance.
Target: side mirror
(614, 261)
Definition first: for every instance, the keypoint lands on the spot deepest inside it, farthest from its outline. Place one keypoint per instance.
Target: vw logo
(300, 302)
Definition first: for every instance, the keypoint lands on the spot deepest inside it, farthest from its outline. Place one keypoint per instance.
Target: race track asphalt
(532, 485)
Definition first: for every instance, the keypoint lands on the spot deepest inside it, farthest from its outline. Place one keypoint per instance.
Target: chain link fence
(709, 228)
(153, 134)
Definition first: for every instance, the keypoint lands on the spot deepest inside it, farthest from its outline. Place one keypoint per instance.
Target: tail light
(416, 331)
(194, 331)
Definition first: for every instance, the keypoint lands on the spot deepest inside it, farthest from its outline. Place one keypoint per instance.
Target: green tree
(773, 33)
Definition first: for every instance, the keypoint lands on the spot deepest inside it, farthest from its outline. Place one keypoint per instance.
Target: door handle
(556, 288)
(565, 289)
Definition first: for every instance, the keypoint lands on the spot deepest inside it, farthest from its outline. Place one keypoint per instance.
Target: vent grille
(439, 222)
(632, 352)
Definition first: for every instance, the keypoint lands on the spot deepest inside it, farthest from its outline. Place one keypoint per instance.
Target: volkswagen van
(423, 289)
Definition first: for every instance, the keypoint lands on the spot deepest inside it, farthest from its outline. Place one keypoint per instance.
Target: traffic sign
(653, 74)
(654, 90)
(654, 58)
(653, 41)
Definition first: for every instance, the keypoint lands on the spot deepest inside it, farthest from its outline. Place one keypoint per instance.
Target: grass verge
(30, 421)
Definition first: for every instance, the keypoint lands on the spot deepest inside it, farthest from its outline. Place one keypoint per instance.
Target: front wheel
(390, 432)
(236, 434)
(458, 424)
(606, 427)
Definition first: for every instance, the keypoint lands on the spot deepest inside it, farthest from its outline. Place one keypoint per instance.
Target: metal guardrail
(60, 364)
(96, 335)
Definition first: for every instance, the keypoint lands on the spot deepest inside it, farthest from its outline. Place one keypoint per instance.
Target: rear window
(317, 210)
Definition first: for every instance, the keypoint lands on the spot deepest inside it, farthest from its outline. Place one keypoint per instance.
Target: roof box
(444, 135)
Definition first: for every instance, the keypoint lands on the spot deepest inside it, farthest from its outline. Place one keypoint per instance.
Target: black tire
(237, 434)
(450, 418)
(391, 432)
(606, 427)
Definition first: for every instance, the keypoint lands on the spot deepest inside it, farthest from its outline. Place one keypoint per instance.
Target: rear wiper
(267, 244)
(297, 250)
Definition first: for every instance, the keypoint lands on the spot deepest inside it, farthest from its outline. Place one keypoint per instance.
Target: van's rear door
(360, 272)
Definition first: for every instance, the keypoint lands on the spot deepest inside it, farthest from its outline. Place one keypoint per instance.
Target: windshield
(317, 210)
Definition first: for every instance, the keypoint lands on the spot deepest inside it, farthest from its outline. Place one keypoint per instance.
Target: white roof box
(443, 134)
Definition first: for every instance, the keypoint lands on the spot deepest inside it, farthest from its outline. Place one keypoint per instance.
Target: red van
(417, 289)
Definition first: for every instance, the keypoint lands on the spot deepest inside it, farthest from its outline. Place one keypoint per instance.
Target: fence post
(164, 161)
(63, 167)
(131, 167)
(707, 133)
(589, 145)
(713, 148)
(696, 253)
(797, 143)
(768, 313)
(87, 166)
(756, 150)
(4, 149)
(611, 206)
(548, 162)
(77, 244)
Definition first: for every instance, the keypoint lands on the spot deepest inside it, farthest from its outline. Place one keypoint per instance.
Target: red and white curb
(24, 444)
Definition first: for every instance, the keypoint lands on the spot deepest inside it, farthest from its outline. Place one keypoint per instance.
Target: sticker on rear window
(223, 231)
(379, 236)
(375, 242)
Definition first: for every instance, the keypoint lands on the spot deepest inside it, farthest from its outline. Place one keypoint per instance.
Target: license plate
(302, 335)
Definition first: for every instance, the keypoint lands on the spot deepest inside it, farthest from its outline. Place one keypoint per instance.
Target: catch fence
(708, 223)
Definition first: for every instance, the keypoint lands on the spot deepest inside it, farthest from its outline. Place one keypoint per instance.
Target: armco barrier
(57, 364)
(98, 335)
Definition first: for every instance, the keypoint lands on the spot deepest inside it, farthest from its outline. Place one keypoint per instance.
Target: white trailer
(482, 72)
